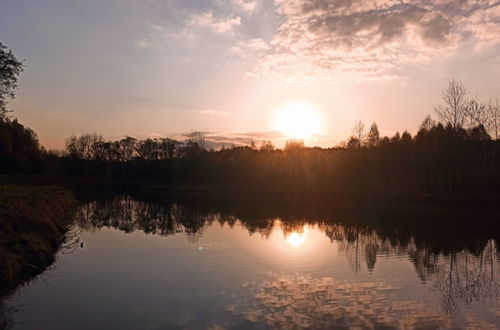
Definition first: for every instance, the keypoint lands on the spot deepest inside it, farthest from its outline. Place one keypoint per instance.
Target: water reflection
(294, 266)
(296, 239)
(459, 260)
(301, 301)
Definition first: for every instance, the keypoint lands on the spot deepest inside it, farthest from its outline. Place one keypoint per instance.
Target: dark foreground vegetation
(33, 221)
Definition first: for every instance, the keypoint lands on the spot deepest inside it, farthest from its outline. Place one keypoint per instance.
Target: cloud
(212, 112)
(220, 25)
(217, 140)
(373, 38)
(257, 44)
(246, 5)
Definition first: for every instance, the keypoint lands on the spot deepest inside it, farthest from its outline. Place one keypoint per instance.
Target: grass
(33, 221)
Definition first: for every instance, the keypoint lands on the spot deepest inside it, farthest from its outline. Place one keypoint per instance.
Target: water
(252, 265)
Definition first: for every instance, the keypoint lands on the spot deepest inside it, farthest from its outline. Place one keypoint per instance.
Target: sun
(298, 120)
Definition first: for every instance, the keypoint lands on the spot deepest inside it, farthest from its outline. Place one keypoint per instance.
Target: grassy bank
(88, 188)
(33, 221)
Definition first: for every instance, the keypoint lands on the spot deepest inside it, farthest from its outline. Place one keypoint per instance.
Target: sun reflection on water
(295, 239)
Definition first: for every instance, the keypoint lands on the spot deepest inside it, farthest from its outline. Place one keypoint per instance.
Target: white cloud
(246, 5)
(220, 25)
(212, 112)
(318, 38)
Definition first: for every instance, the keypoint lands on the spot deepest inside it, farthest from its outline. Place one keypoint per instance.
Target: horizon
(164, 69)
(249, 164)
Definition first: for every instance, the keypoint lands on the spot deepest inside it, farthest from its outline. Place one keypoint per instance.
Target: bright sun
(298, 120)
(295, 239)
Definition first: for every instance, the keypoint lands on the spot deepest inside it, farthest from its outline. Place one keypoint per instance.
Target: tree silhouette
(453, 111)
(373, 135)
(493, 118)
(10, 68)
(358, 132)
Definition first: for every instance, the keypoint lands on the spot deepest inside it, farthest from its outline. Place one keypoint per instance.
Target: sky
(158, 68)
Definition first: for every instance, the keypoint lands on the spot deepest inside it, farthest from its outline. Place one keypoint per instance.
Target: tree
(84, 146)
(358, 132)
(148, 149)
(127, 148)
(493, 113)
(353, 143)
(196, 139)
(10, 68)
(267, 146)
(20, 151)
(396, 138)
(486, 115)
(406, 137)
(477, 113)
(454, 109)
(294, 145)
(373, 135)
(427, 124)
(168, 148)
(478, 133)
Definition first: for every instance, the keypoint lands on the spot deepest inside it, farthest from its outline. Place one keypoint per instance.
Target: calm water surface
(150, 265)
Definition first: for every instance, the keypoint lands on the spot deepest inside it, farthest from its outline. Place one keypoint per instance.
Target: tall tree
(493, 114)
(477, 113)
(373, 135)
(10, 68)
(358, 132)
(453, 111)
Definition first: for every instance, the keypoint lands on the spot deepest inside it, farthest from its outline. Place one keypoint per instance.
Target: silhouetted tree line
(439, 158)
(458, 154)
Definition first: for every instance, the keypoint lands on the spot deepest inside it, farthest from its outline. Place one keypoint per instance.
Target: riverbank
(85, 188)
(33, 221)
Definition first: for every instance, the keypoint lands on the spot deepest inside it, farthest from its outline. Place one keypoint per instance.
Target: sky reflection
(174, 265)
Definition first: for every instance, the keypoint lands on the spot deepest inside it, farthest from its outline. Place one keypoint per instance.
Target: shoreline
(84, 186)
(33, 223)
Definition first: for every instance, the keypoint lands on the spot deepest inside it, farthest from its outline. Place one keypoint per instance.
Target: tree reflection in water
(452, 255)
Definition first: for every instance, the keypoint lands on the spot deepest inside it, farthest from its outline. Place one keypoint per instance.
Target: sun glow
(298, 120)
(295, 239)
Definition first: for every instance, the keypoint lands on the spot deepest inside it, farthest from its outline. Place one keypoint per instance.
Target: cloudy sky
(167, 67)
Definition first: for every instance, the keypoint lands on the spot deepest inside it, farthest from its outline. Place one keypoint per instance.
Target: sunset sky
(156, 68)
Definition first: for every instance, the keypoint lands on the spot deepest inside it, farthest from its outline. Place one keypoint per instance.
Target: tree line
(457, 153)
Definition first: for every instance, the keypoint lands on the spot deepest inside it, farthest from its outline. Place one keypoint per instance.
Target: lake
(196, 263)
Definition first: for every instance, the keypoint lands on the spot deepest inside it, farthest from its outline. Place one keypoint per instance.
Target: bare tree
(486, 115)
(358, 132)
(83, 146)
(493, 114)
(454, 109)
(197, 139)
(477, 113)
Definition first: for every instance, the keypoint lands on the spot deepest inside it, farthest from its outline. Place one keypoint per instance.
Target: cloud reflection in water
(284, 301)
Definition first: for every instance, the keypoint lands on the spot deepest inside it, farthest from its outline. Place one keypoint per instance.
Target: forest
(458, 153)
